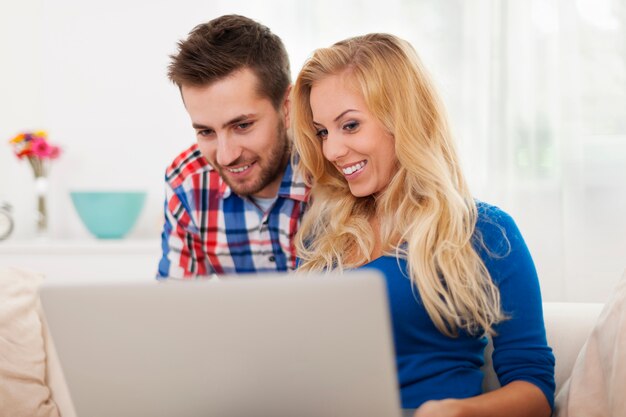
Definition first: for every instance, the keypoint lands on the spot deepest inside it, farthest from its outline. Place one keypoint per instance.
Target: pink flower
(55, 151)
(40, 148)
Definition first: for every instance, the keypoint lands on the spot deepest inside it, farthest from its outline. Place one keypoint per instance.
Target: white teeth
(237, 170)
(354, 168)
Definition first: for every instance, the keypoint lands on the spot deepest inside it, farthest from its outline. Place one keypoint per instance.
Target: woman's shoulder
(496, 231)
(492, 218)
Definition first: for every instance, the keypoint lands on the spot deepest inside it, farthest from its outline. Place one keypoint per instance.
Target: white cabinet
(63, 261)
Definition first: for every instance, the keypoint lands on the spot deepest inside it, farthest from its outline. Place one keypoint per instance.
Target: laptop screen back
(277, 345)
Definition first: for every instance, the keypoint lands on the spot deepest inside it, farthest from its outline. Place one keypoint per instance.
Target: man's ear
(286, 107)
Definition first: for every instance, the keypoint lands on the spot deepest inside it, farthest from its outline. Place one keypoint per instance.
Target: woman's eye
(350, 126)
(321, 133)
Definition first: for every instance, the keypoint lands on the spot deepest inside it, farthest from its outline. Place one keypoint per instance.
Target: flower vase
(41, 189)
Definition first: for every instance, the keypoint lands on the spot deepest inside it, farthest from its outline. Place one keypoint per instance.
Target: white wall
(95, 80)
(21, 82)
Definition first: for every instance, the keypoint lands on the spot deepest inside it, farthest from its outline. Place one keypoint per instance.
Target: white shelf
(88, 260)
(78, 247)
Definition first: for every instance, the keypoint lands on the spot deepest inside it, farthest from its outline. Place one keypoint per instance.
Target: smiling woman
(387, 193)
(359, 145)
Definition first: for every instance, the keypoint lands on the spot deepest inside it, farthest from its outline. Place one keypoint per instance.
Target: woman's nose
(334, 148)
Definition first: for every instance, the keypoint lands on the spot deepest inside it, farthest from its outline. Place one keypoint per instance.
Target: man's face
(240, 133)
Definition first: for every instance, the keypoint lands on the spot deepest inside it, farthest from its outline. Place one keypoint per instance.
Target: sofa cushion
(54, 374)
(596, 384)
(23, 387)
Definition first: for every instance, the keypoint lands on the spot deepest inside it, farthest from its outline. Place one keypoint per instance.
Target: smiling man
(232, 202)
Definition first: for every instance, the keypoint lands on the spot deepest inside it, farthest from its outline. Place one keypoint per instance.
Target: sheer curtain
(555, 156)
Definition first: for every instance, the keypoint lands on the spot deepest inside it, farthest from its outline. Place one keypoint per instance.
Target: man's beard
(272, 166)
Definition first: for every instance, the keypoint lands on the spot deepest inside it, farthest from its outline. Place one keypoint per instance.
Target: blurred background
(535, 90)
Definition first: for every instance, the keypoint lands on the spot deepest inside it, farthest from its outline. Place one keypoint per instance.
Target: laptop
(273, 345)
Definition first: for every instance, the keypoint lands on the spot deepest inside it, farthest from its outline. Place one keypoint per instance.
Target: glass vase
(41, 190)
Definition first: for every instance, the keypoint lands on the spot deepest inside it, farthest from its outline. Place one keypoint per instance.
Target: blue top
(433, 366)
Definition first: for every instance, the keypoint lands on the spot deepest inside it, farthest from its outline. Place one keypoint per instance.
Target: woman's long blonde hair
(426, 214)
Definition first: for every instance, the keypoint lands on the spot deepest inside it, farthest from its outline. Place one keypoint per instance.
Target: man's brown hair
(229, 43)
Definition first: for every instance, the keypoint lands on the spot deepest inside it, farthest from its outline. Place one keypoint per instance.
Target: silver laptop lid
(276, 346)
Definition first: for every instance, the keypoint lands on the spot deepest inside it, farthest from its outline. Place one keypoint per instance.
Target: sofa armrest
(54, 374)
(568, 325)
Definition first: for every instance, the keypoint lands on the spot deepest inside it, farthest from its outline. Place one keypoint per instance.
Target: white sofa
(567, 324)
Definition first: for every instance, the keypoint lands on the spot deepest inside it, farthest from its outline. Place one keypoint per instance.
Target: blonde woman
(387, 193)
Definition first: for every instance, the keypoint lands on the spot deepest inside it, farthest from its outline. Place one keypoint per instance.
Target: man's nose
(228, 151)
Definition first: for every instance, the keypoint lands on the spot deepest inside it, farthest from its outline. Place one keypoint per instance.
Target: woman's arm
(521, 358)
(517, 399)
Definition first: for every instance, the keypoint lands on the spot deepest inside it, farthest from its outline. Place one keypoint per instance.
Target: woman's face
(352, 139)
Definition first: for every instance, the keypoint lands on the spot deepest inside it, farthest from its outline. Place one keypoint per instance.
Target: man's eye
(244, 126)
(204, 133)
(321, 133)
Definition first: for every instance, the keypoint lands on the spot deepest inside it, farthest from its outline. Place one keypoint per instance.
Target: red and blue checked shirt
(210, 229)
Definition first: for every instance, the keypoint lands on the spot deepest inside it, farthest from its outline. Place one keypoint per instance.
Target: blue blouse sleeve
(521, 352)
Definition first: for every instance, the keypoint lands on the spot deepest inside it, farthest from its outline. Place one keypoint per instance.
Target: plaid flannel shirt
(210, 229)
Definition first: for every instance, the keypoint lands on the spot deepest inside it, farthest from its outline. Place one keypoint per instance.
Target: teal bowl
(108, 214)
